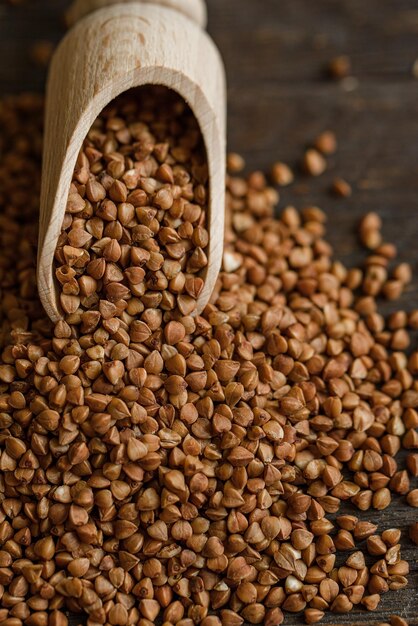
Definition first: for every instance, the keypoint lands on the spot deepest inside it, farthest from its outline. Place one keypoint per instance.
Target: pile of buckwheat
(158, 465)
(134, 238)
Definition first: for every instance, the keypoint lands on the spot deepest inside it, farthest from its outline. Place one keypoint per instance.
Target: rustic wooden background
(279, 98)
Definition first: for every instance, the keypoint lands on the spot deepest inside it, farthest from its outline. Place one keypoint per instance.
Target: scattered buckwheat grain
(158, 465)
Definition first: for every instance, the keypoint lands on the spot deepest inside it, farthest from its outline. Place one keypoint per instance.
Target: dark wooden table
(275, 52)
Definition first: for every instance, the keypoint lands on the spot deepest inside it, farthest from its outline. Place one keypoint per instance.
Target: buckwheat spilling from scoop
(161, 465)
(134, 236)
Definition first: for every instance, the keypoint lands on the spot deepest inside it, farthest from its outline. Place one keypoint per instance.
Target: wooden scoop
(114, 47)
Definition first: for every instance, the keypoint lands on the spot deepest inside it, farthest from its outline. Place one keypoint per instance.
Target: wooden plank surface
(275, 52)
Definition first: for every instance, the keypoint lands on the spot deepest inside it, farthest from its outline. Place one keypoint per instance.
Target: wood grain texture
(278, 99)
(194, 9)
(110, 51)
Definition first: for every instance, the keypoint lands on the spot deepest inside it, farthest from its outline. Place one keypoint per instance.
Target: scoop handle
(193, 9)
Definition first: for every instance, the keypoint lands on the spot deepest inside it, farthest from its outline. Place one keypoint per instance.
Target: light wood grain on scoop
(107, 53)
